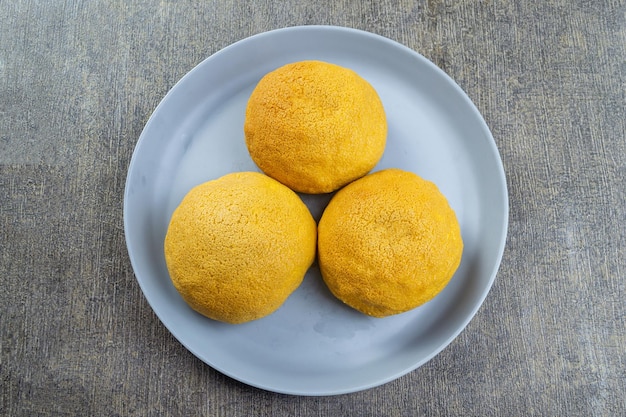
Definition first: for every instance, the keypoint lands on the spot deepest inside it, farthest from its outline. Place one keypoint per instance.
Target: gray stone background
(78, 81)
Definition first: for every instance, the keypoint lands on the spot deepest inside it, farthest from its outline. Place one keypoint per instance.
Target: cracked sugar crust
(238, 246)
(315, 126)
(388, 243)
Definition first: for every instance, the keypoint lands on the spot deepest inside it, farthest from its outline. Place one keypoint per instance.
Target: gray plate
(314, 345)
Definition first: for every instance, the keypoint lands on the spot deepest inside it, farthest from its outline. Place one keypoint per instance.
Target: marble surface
(79, 80)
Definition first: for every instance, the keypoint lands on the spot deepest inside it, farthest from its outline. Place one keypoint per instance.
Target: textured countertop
(79, 80)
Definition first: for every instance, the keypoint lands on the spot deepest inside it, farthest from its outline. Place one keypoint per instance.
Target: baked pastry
(238, 246)
(315, 126)
(388, 242)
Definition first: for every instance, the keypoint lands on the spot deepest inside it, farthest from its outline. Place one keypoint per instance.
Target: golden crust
(238, 246)
(315, 126)
(388, 243)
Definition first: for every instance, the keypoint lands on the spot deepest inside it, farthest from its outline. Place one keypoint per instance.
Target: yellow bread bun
(315, 126)
(388, 243)
(238, 246)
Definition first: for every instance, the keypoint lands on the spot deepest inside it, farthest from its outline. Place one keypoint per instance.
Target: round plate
(315, 345)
